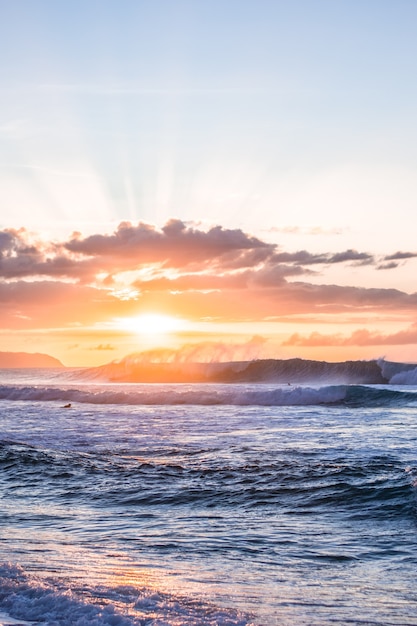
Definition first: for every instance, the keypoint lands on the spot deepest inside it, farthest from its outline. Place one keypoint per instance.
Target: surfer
(67, 406)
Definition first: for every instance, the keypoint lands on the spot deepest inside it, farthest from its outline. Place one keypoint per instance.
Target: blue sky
(297, 113)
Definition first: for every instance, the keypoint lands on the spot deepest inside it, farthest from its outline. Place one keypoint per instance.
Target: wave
(27, 599)
(380, 485)
(408, 377)
(135, 368)
(237, 395)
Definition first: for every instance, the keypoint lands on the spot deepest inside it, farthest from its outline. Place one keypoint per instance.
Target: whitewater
(209, 503)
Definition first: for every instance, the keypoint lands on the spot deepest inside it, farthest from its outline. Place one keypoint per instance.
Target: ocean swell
(135, 368)
(237, 395)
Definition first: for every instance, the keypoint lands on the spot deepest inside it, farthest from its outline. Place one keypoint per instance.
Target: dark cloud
(302, 257)
(387, 266)
(351, 255)
(130, 247)
(21, 256)
(244, 258)
(400, 256)
(175, 245)
(7, 242)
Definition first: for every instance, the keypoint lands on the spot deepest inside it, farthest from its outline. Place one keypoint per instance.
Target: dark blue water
(209, 513)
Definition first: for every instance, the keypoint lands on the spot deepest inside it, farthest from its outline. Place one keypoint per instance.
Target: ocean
(239, 503)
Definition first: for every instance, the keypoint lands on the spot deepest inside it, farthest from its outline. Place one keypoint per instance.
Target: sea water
(210, 504)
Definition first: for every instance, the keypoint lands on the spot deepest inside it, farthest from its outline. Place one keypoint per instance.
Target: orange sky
(91, 299)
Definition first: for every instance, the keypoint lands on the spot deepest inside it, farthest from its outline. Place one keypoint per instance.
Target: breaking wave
(135, 368)
(27, 600)
(408, 377)
(238, 395)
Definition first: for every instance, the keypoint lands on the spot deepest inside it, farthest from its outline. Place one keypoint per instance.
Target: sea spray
(143, 367)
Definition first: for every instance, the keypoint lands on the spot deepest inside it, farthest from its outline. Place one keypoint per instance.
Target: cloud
(399, 256)
(40, 304)
(351, 255)
(390, 261)
(22, 254)
(175, 245)
(360, 337)
(306, 230)
(302, 257)
(267, 275)
(180, 269)
(387, 266)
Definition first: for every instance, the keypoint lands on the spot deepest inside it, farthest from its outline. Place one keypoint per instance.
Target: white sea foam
(408, 377)
(31, 600)
(8, 620)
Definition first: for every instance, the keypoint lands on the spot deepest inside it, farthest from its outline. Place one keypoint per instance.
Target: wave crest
(205, 395)
(136, 368)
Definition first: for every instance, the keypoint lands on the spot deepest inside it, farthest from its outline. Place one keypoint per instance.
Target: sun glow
(151, 324)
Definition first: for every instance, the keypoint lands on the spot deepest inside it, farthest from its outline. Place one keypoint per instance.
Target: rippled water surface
(208, 513)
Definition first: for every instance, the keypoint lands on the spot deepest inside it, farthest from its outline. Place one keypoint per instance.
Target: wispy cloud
(306, 230)
(132, 89)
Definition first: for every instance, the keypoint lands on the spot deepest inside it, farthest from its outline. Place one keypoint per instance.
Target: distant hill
(27, 359)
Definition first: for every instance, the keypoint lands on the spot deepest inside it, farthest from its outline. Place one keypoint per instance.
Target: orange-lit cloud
(226, 275)
(361, 337)
(177, 246)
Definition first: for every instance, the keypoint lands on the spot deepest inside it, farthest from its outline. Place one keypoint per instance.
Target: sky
(223, 173)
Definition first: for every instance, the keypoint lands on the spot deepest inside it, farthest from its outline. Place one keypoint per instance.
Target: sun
(151, 324)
